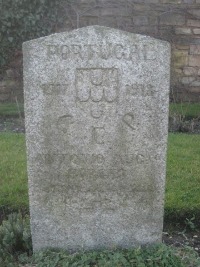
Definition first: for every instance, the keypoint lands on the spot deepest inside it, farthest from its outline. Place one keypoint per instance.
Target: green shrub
(154, 256)
(22, 20)
(15, 238)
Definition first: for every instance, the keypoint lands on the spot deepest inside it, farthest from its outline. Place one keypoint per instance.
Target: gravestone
(96, 106)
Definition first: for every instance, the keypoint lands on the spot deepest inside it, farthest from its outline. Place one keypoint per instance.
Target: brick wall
(177, 21)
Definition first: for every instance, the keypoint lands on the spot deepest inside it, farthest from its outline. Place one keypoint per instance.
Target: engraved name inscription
(102, 51)
(82, 179)
(91, 201)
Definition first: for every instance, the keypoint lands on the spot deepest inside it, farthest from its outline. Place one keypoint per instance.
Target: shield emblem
(97, 84)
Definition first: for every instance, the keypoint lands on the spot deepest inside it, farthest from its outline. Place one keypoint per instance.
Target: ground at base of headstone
(176, 254)
(182, 238)
(179, 240)
(159, 256)
(185, 245)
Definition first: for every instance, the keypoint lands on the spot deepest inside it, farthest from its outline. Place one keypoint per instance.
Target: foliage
(158, 256)
(23, 20)
(190, 223)
(15, 238)
(184, 117)
(16, 248)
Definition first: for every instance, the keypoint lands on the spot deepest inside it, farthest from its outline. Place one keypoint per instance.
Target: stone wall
(11, 80)
(177, 21)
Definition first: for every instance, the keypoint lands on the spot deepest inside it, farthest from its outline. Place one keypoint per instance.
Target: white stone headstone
(96, 106)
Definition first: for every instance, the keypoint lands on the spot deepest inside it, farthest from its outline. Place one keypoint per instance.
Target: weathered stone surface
(187, 80)
(195, 12)
(171, 1)
(190, 71)
(183, 31)
(195, 49)
(178, 71)
(140, 20)
(194, 60)
(3, 87)
(172, 18)
(193, 23)
(195, 90)
(189, 1)
(147, 1)
(182, 47)
(96, 104)
(196, 31)
(179, 58)
(110, 11)
(196, 83)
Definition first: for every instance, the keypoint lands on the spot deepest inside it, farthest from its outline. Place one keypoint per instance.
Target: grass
(185, 110)
(183, 173)
(13, 175)
(11, 109)
(182, 196)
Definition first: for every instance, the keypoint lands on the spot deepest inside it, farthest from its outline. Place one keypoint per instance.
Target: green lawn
(182, 197)
(13, 175)
(183, 173)
(12, 109)
(185, 110)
